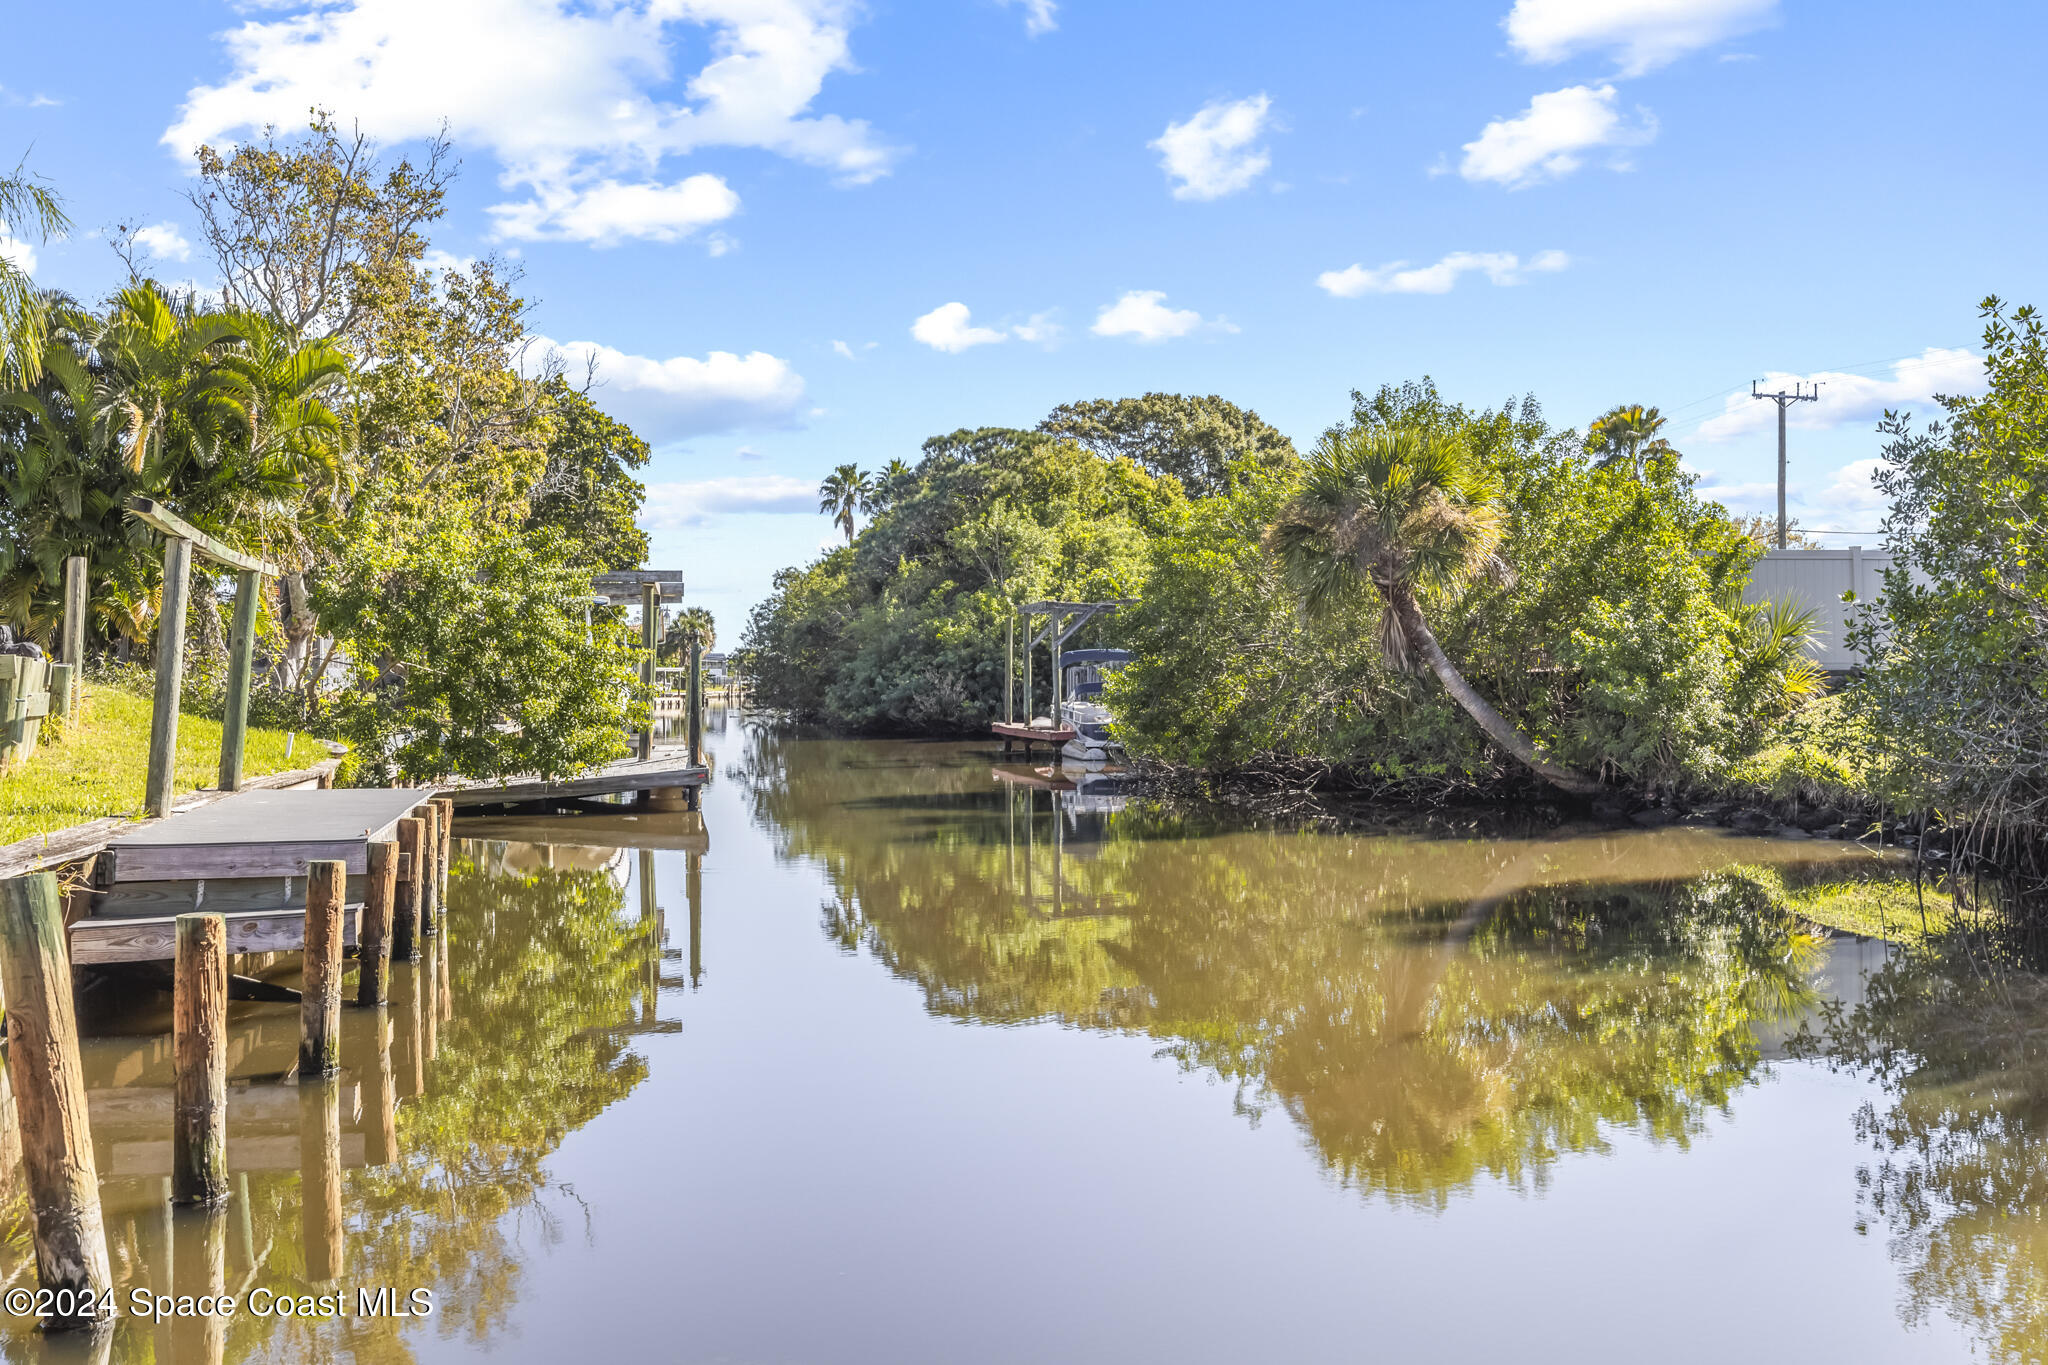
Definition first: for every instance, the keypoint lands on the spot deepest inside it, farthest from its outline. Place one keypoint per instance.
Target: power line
(1784, 400)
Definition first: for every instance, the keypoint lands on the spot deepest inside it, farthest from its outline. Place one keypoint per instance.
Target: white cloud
(1501, 267)
(682, 396)
(946, 328)
(1846, 398)
(164, 239)
(1039, 328)
(1142, 315)
(1643, 34)
(609, 212)
(1550, 137)
(843, 349)
(673, 506)
(579, 104)
(16, 252)
(1040, 16)
(1214, 153)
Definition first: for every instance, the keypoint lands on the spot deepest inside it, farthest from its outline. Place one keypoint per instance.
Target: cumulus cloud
(1642, 34)
(1216, 151)
(164, 240)
(1142, 315)
(675, 506)
(1551, 137)
(1040, 328)
(579, 104)
(1040, 16)
(1398, 277)
(946, 328)
(1846, 398)
(682, 396)
(610, 212)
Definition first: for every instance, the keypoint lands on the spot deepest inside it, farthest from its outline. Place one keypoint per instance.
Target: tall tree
(1629, 435)
(28, 209)
(588, 493)
(690, 626)
(1402, 513)
(1194, 439)
(842, 493)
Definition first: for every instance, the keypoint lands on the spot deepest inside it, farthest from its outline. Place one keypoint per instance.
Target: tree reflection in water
(1958, 1173)
(1428, 1011)
(513, 1032)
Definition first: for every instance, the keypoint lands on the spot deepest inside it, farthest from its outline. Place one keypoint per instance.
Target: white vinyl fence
(1815, 580)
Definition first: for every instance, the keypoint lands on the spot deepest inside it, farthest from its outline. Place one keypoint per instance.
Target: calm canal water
(922, 1062)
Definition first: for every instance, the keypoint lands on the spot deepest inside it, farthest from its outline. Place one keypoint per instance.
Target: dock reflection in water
(401, 1171)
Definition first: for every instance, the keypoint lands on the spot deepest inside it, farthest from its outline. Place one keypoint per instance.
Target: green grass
(98, 769)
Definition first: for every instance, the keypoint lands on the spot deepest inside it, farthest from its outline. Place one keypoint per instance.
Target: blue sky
(799, 232)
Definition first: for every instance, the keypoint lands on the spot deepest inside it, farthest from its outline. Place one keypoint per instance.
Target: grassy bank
(99, 768)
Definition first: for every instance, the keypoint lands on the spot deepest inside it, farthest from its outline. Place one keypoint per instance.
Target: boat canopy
(1098, 657)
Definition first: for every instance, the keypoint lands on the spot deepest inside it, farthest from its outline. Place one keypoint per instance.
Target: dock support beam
(49, 1094)
(427, 898)
(696, 727)
(650, 640)
(373, 934)
(320, 993)
(234, 727)
(405, 909)
(199, 1045)
(446, 806)
(170, 676)
(71, 644)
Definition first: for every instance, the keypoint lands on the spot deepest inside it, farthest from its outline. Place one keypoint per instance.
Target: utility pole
(1781, 398)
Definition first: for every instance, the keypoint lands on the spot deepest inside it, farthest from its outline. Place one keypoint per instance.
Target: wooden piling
(373, 930)
(380, 1102)
(63, 691)
(429, 897)
(71, 643)
(405, 907)
(445, 805)
(200, 1267)
(170, 676)
(650, 641)
(49, 1094)
(320, 991)
(199, 1044)
(696, 727)
(320, 1178)
(241, 666)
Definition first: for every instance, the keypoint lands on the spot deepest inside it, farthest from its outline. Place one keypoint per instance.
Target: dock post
(320, 1178)
(373, 932)
(693, 892)
(445, 805)
(1009, 672)
(71, 643)
(199, 1045)
(650, 640)
(234, 723)
(63, 691)
(429, 897)
(320, 992)
(380, 1104)
(1029, 701)
(170, 676)
(696, 728)
(405, 906)
(49, 1094)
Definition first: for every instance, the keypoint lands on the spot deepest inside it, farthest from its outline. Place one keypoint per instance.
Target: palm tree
(692, 626)
(890, 486)
(1405, 512)
(845, 491)
(28, 209)
(1628, 435)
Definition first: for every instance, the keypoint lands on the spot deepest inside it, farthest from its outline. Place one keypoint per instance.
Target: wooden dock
(245, 856)
(1053, 736)
(668, 772)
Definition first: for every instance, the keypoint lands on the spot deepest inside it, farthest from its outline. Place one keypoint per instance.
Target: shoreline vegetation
(1447, 604)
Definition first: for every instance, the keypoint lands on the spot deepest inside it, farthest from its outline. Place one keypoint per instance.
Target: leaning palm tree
(27, 209)
(845, 491)
(1628, 435)
(1405, 512)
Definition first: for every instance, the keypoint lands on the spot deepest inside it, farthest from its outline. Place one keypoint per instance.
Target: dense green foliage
(903, 629)
(436, 497)
(1615, 638)
(1197, 440)
(1959, 644)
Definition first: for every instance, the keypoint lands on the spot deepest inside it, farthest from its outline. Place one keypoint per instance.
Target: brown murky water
(927, 1061)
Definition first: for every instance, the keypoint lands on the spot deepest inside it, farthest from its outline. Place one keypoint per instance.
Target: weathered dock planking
(672, 769)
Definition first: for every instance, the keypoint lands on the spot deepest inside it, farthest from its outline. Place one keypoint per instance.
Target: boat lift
(1057, 630)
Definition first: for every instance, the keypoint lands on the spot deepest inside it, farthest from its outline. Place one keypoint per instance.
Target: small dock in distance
(665, 781)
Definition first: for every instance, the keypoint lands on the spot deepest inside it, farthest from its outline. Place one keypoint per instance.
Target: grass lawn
(100, 767)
